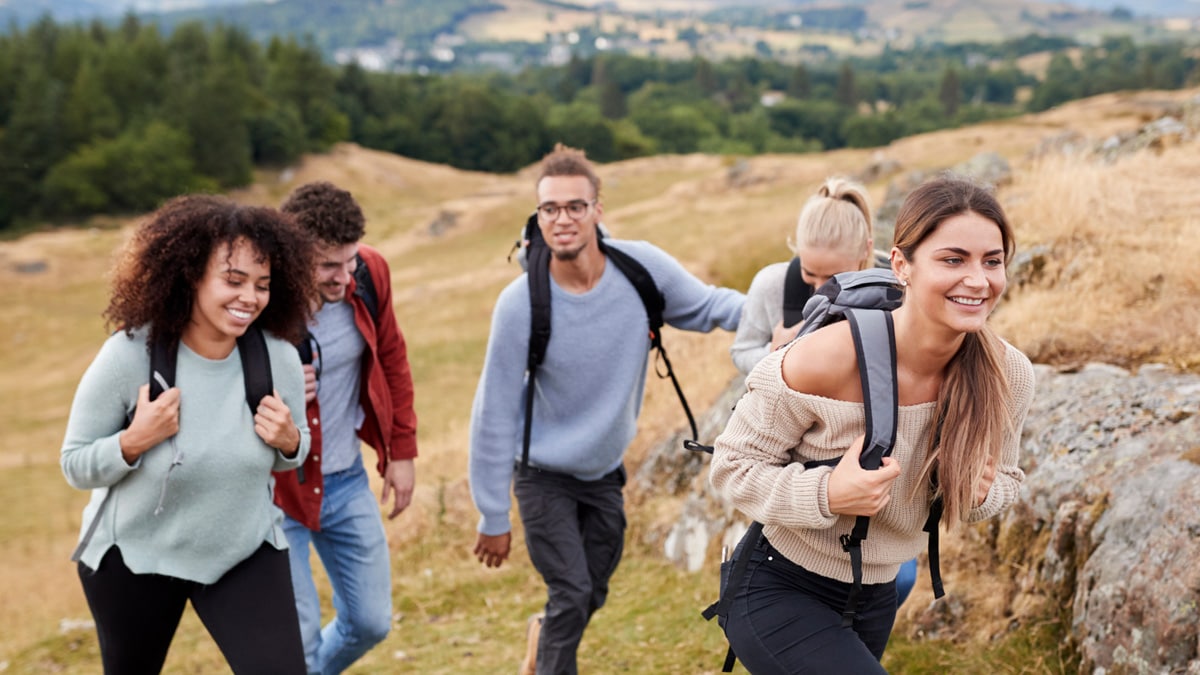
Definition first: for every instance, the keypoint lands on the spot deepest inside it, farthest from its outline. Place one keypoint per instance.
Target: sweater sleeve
(107, 394)
(691, 304)
(754, 463)
(1009, 476)
(755, 329)
(497, 415)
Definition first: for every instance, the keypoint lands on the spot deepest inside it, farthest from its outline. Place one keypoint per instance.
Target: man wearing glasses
(588, 393)
(358, 388)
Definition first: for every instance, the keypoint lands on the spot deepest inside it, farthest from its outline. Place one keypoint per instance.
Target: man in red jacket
(358, 388)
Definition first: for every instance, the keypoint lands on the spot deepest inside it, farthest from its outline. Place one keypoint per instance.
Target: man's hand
(310, 382)
(398, 480)
(780, 336)
(493, 550)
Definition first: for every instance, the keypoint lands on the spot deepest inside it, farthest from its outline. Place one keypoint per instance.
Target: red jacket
(390, 424)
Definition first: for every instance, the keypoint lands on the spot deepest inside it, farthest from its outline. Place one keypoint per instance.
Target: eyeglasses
(575, 209)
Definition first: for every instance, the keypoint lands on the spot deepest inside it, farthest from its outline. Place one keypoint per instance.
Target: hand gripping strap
(875, 346)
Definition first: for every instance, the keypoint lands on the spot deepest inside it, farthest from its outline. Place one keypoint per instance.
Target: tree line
(98, 118)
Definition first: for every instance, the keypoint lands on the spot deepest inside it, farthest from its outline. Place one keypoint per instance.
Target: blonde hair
(972, 419)
(838, 218)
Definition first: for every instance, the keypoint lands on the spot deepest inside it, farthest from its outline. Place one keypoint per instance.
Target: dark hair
(972, 402)
(566, 161)
(154, 282)
(327, 212)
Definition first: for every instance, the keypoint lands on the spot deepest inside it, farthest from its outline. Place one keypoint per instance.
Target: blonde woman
(833, 234)
(963, 395)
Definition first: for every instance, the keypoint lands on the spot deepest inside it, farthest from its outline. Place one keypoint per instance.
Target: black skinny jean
(250, 613)
(786, 619)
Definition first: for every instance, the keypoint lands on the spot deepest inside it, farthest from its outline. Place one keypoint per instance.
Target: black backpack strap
(795, 294)
(537, 269)
(875, 345)
(256, 367)
(364, 287)
(935, 565)
(654, 302)
(163, 355)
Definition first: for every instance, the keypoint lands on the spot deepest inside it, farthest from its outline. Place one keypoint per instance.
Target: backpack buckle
(849, 542)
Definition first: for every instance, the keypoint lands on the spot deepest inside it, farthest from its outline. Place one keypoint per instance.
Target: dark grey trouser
(575, 533)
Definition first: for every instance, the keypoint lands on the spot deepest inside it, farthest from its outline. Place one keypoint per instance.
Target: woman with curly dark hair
(181, 504)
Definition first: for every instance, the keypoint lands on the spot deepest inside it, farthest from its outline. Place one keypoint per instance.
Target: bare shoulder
(823, 363)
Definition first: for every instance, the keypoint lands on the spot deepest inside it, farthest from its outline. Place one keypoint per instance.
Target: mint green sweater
(214, 508)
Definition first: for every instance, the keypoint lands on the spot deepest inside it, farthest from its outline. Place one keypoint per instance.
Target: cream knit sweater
(758, 466)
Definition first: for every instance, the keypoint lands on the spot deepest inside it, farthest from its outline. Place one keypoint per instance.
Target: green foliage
(69, 94)
(132, 172)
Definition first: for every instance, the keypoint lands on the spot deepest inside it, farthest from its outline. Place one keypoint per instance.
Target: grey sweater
(588, 391)
(216, 503)
(763, 311)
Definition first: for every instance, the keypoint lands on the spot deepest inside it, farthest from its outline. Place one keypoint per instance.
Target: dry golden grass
(1118, 285)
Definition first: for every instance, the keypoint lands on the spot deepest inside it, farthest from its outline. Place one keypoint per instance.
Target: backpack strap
(796, 293)
(164, 354)
(256, 367)
(537, 269)
(875, 345)
(364, 287)
(654, 302)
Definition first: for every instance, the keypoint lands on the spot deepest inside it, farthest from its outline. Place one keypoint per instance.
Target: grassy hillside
(1119, 285)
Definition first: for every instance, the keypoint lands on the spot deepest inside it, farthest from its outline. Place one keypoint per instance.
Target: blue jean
(905, 579)
(786, 619)
(353, 549)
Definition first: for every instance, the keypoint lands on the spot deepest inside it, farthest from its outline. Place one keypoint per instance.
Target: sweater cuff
(493, 525)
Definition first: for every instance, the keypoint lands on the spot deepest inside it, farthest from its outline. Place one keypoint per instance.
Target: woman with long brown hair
(181, 485)
(963, 394)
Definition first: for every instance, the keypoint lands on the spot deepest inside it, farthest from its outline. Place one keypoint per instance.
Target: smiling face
(566, 236)
(233, 293)
(336, 264)
(956, 274)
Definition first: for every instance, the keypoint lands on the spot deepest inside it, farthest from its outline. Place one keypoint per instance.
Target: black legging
(786, 619)
(250, 613)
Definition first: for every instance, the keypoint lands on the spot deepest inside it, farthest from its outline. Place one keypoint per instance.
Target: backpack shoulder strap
(163, 355)
(256, 366)
(795, 294)
(875, 345)
(364, 287)
(637, 274)
(537, 271)
(655, 303)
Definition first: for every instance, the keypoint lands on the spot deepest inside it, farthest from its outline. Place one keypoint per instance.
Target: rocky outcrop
(1107, 528)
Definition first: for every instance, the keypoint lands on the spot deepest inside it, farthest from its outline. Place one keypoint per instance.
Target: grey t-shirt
(341, 351)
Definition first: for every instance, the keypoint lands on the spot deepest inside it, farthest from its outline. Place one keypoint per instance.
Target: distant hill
(510, 34)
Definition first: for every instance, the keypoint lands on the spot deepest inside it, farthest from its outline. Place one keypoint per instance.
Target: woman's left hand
(273, 423)
(985, 482)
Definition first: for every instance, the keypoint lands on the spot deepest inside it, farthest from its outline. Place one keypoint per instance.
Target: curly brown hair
(155, 279)
(568, 161)
(327, 212)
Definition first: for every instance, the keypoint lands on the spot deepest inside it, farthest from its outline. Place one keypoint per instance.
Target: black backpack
(537, 268)
(866, 299)
(164, 354)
